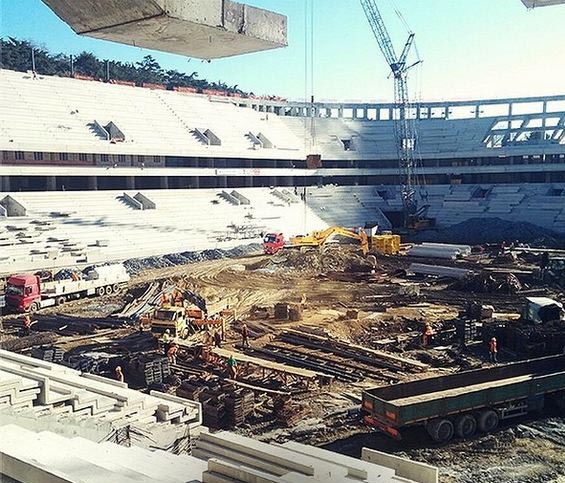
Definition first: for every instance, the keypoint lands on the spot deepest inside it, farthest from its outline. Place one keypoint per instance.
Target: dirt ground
(533, 451)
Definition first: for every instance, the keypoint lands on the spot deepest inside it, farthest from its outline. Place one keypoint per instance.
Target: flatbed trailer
(460, 404)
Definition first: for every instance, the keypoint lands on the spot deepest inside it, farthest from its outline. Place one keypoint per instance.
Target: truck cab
(23, 292)
(171, 318)
(541, 310)
(272, 243)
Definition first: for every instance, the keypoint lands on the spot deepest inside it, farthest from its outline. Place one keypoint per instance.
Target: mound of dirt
(333, 258)
(493, 230)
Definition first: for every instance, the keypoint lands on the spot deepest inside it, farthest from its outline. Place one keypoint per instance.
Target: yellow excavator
(388, 244)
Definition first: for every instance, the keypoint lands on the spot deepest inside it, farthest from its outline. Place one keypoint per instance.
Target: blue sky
(471, 49)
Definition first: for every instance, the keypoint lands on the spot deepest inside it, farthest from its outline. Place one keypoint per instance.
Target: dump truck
(462, 404)
(183, 322)
(29, 292)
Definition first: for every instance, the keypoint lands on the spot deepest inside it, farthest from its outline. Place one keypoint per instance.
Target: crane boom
(403, 126)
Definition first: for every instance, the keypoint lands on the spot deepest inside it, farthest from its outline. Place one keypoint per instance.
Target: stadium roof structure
(205, 29)
(542, 3)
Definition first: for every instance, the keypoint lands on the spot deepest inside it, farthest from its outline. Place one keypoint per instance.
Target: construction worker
(119, 374)
(493, 350)
(178, 299)
(427, 335)
(172, 353)
(166, 340)
(232, 370)
(217, 339)
(26, 322)
(245, 336)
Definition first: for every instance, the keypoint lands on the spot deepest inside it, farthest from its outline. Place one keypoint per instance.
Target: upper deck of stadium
(53, 114)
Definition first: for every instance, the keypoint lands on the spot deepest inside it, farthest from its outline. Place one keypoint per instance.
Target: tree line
(21, 55)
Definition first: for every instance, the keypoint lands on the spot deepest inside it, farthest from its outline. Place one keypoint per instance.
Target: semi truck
(462, 404)
(29, 292)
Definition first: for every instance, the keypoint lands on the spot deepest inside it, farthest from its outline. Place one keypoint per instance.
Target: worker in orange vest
(172, 353)
(493, 350)
(26, 324)
(427, 334)
(179, 299)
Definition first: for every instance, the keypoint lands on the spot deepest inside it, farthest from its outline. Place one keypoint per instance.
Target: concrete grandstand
(146, 148)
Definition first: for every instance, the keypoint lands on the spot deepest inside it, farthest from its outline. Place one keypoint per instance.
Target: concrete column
(4, 183)
(92, 183)
(130, 182)
(195, 181)
(164, 182)
(51, 183)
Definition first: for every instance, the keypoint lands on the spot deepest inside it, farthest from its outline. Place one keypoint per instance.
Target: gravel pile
(136, 265)
(493, 230)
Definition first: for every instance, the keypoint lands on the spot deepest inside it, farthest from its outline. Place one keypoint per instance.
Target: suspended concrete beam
(542, 3)
(206, 29)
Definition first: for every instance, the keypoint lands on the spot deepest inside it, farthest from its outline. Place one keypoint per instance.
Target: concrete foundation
(207, 29)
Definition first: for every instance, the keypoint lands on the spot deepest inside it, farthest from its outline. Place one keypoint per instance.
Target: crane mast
(404, 134)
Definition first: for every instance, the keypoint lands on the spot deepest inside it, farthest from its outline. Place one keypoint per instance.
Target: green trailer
(462, 403)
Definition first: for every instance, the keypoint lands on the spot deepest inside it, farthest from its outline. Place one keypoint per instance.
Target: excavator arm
(319, 238)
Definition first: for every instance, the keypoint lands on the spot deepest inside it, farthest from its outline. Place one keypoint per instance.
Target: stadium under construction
(205, 285)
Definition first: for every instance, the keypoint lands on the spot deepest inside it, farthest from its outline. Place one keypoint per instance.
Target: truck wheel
(440, 430)
(61, 300)
(116, 288)
(34, 307)
(100, 291)
(488, 421)
(108, 290)
(465, 426)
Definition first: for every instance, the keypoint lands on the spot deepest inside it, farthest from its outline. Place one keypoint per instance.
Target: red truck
(272, 243)
(29, 292)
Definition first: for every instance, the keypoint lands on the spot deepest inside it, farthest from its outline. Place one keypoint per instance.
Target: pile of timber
(48, 353)
(224, 404)
(353, 351)
(284, 311)
(308, 361)
(288, 412)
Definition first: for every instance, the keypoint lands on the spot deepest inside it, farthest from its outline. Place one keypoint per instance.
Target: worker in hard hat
(493, 350)
(245, 336)
(119, 374)
(427, 334)
(26, 324)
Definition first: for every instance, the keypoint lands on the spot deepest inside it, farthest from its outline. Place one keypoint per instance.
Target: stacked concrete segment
(234, 458)
(43, 395)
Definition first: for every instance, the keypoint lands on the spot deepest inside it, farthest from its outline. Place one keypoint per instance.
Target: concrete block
(416, 472)
(355, 468)
(207, 29)
(284, 458)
